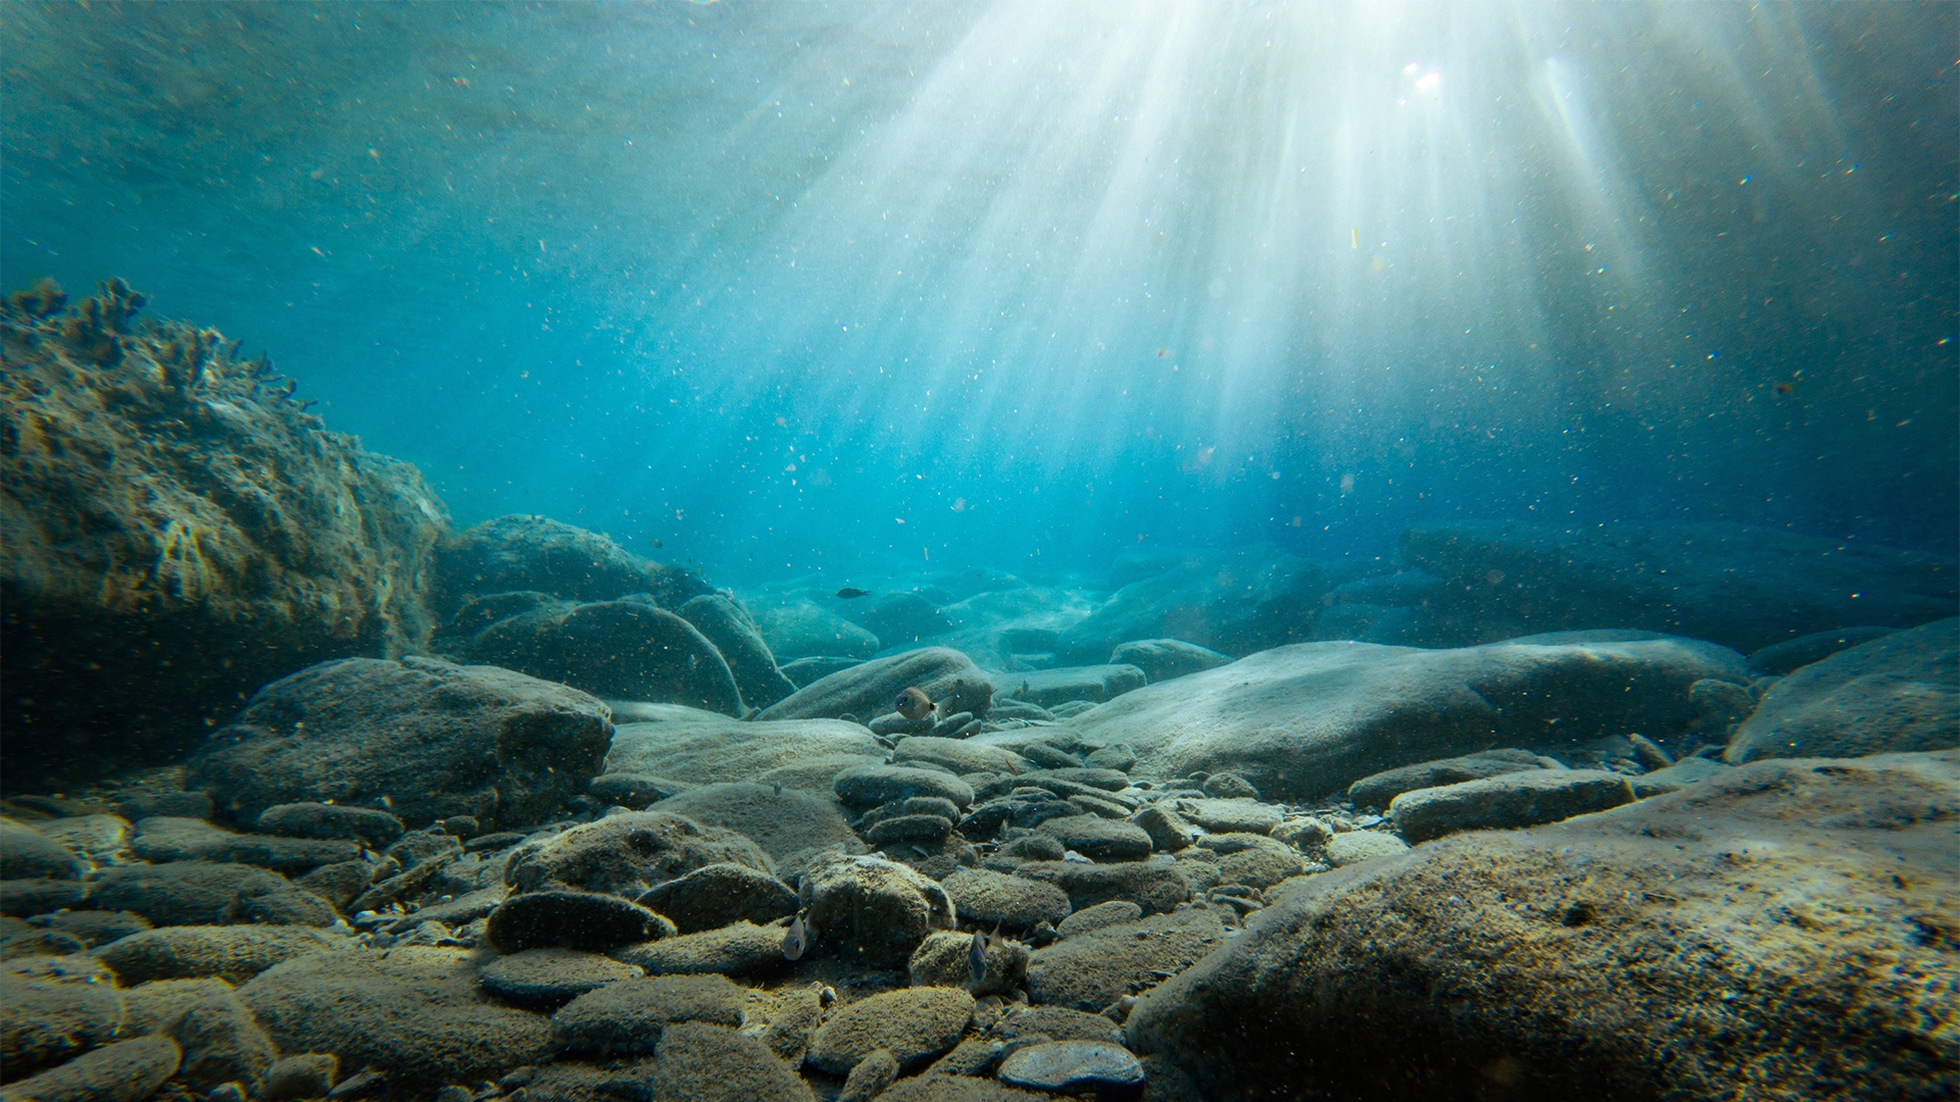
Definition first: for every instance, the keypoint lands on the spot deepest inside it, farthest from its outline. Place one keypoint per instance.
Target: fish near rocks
(976, 958)
(796, 941)
(913, 704)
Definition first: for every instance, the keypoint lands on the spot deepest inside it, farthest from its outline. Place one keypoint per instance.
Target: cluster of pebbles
(330, 952)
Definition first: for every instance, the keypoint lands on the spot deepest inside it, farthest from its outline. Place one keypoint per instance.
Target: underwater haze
(791, 286)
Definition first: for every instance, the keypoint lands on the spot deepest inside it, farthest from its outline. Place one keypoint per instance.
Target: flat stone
(127, 1071)
(221, 1041)
(1231, 816)
(1259, 863)
(551, 977)
(701, 747)
(1507, 802)
(870, 1077)
(55, 1015)
(1098, 916)
(193, 893)
(1895, 693)
(629, 1015)
(1167, 829)
(1794, 654)
(959, 755)
(872, 909)
(1165, 659)
(867, 786)
(716, 895)
(629, 853)
(1156, 885)
(1056, 1023)
(947, 677)
(926, 829)
(914, 1024)
(693, 1062)
(1057, 686)
(1377, 790)
(993, 898)
(1097, 967)
(369, 825)
(1677, 776)
(27, 854)
(588, 921)
(1099, 839)
(40, 896)
(743, 949)
(233, 953)
(784, 822)
(1072, 1065)
(1356, 846)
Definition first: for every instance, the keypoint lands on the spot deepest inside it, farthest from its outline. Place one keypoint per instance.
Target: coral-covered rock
(429, 738)
(179, 532)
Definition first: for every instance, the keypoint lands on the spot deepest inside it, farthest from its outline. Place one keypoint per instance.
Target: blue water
(789, 287)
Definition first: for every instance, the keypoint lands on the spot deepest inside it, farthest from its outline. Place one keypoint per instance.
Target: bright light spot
(1429, 82)
(1409, 70)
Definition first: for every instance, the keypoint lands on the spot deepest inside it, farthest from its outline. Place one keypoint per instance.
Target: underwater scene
(988, 551)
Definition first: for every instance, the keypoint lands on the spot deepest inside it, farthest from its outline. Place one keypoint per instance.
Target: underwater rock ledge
(178, 532)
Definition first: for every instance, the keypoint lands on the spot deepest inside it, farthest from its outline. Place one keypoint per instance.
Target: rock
(1073, 1065)
(1719, 705)
(948, 678)
(803, 672)
(872, 909)
(1168, 831)
(1092, 683)
(1401, 589)
(308, 1075)
(727, 625)
(434, 739)
(1382, 707)
(1377, 790)
(1236, 602)
(53, 1013)
(695, 1062)
(1033, 847)
(870, 1077)
(959, 755)
(866, 786)
(794, 1016)
(40, 896)
(627, 853)
(1742, 587)
(166, 839)
(1229, 786)
(193, 893)
(1099, 839)
(93, 928)
(1357, 846)
(914, 1024)
(944, 959)
(956, 1088)
(803, 630)
(588, 921)
(714, 896)
(927, 830)
(1726, 925)
(1119, 758)
(1675, 777)
(1156, 885)
(902, 617)
(420, 847)
(414, 1014)
(785, 824)
(1235, 816)
(743, 949)
(127, 1071)
(1254, 860)
(548, 978)
(234, 953)
(368, 825)
(1167, 659)
(26, 854)
(1098, 916)
(993, 899)
(1898, 692)
(702, 748)
(1056, 1023)
(220, 1042)
(627, 649)
(1096, 967)
(519, 552)
(1778, 659)
(1507, 802)
(1076, 779)
(95, 839)
(184, 805)
(176, 537)
(1306, 834)
(628, 1016)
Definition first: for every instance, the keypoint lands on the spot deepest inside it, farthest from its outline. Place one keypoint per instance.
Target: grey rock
(433, 738)
(168, 839)
(991, 898)
(192, 893)
(628, 853)
(1165, 659)
(807, 632)
(1099, 839)
(926, 829)
(959, 755)
(369, 825)
(1778, 659)
(1073, 1065)
(307, 1075)
(523, 552)
(1356, 846)
(1229, 786)
(948, 678)
(1096, 967)
(1056, 686)
(786, 823)
(1156, 885)
(742, 949)
(914, 1024)
(589, 921)
(220, 1041)
(727, 625)
(1895, 693)
(803, 672)
(717, 895)
(945, 959)
(867, 786)
(1119, 757)
(185, 805)
(1098, 916)
(702, 748)
(629, 1016)
(1167, 829)
(1378, 789)
(626, 649)
(1236, 816)
(54, 1013)
(1677, 776)
(1253, 860)
(549, 978)
(870, 1077)
(1507, 802)
(234, 953)
(26, 854)
(1236, 602)
(127, 1071)
(871, 909)
(695, 1062)
(93, 928)
(1720, 704)
(40, 896)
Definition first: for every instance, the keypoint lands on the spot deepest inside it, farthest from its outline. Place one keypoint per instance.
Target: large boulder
(1236, 602)
(1787, 917)
(523, 552)
(178, 532)
(947, 677)
(729, 627)
(703, 748)
(1310, 719)
(627, 853)
(804, 629)
(424, 737)
(1898, 692)
(1095, 684)
(1742, 587)
(626, 649)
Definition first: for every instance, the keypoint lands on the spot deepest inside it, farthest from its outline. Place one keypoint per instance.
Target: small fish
(913, 704)
(657, 543)
(851, 593)
(796, 940)
(779, 789)
(976, 957)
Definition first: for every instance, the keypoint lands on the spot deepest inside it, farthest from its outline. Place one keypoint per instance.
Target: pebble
(1072, 1065)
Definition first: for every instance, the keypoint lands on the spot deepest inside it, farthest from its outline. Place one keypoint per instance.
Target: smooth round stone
(1072, 1065)
(867, 786)
(1099, 839)
(543, 977)
(909, 828)
(574, 920)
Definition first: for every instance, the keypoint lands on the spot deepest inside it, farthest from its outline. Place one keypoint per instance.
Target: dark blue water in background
(788, 287)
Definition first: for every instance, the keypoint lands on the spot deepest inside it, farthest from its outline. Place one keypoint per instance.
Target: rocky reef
(178, 532)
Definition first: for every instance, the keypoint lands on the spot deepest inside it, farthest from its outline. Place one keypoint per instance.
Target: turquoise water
(797, 286)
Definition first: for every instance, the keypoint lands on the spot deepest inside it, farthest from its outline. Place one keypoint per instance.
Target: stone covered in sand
(872, 909)
(1507, 801)
(235, 953)
(626, 854)
(1898, 692)
(948, 678)
(703, 748)
(914, 1024)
